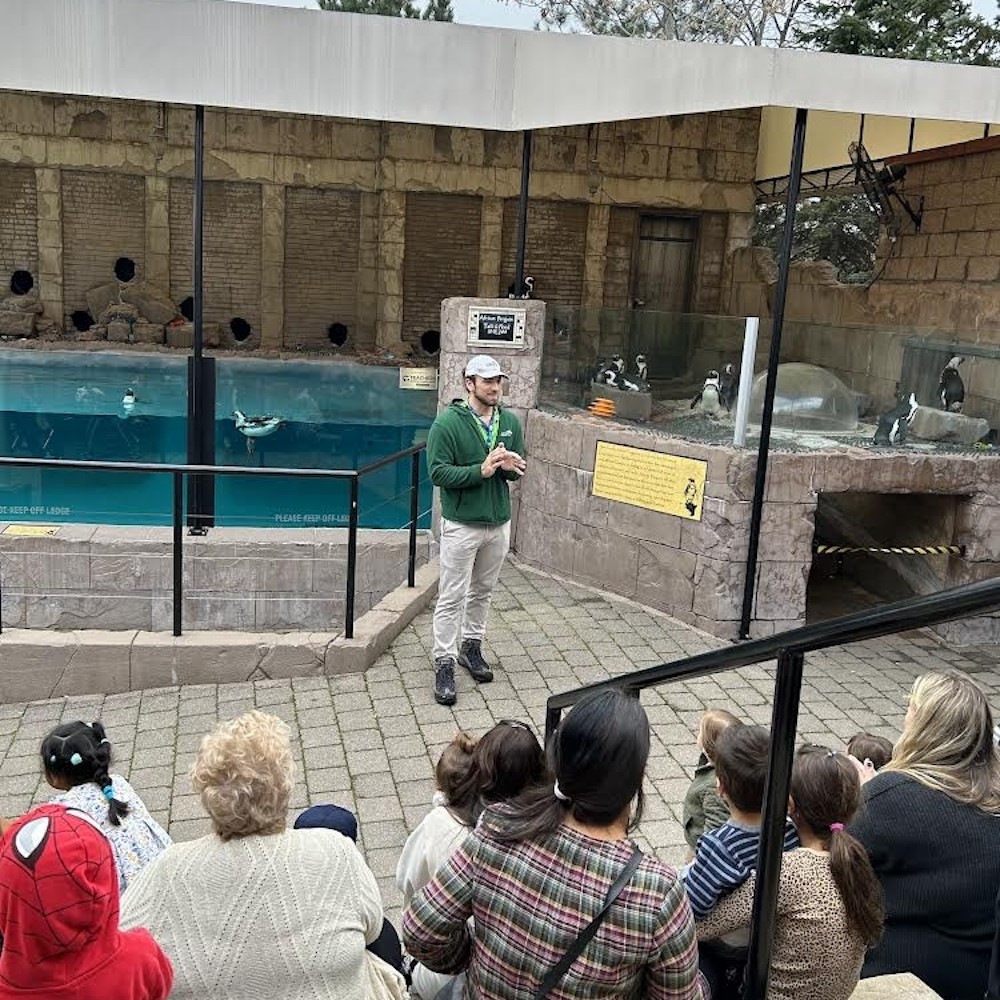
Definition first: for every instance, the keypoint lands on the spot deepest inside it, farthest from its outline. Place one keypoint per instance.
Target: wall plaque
(418, 378)
(496, 327)
(665, 483)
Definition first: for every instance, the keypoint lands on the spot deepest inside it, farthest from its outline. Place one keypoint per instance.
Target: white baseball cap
(484, 366)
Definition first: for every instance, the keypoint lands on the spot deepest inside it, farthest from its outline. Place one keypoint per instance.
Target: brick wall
(554, 249)
(104, 218)
(322, 233)
(618, 258)
(233, 236)
(711, 255)
(441, 256)
(18, 226)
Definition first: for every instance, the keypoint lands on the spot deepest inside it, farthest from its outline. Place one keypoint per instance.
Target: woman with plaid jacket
(537, 871)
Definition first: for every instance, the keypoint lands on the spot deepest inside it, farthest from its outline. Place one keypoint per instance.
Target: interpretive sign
(665, 483)
(418, 378)
(31, 530)
(496, 327)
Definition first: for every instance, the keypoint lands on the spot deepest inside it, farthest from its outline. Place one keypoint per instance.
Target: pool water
(336, 415)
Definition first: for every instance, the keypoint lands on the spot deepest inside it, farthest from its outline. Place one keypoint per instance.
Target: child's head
(865, 746)
(713, 722)
(825, 793)
(76, 753)
(741, 766)
(453, 766)
(507, 760)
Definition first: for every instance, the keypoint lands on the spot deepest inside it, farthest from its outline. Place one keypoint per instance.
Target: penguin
(525, 292)
(951, 388)
(256, 427)
(710, 395)
(729, 387)
(129, 400)
(610, 372)
(894, 424)
(642, 367)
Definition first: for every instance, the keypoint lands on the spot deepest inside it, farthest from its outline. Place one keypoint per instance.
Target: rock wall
(581, 176)
(263, 579)
(695, 571)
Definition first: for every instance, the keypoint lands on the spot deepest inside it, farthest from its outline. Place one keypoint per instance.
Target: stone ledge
(47, 664)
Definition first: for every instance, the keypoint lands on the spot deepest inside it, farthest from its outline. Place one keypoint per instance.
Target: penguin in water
(894, 425)
(729, 387)
(129, 400)
(951, 388)
(256, 427)
(710, 395)
(526, 290)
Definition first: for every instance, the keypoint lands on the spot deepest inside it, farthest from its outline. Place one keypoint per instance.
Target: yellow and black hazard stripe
(900, 550)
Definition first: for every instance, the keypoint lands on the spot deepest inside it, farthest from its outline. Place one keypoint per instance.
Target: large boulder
(17, 324)
(27, 303)
(99, 298)
(930, 424)
(153, 303)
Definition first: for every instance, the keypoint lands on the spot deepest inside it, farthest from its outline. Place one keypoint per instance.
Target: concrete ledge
(902, 986)
(41, 664)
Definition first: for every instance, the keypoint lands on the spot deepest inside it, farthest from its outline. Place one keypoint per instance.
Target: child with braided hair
(76, 758)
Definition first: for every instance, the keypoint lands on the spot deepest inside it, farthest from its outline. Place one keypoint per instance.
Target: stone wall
(18, 229)
(588, 186)
(263, 579)
(695, 571)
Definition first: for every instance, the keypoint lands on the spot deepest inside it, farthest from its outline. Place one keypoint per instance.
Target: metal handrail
(179, 471)
(789, 648)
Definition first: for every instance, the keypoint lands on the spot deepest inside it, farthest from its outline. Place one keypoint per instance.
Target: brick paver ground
(370, 741)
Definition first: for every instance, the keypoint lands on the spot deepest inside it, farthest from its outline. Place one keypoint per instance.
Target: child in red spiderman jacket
(59, 916)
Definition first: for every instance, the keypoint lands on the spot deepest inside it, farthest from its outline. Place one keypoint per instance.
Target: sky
(491, 13)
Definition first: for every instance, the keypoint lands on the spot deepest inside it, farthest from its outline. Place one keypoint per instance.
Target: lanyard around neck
(490, 435)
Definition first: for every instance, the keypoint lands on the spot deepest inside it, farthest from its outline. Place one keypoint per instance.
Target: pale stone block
(930, 424)
(280, 611)
(163, 660)
(104, 611)
(130, 573)
(28, 114)
(718, 590)
(17, 324)
(296, 654)
(665, 577)
(24, 149)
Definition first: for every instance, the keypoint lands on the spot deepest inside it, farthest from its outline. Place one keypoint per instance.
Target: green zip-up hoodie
(455, 452)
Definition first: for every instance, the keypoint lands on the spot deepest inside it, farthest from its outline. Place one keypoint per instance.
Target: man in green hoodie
(474, 447)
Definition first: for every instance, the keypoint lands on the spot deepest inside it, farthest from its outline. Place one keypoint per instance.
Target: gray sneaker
(444, 680)
(471, 657)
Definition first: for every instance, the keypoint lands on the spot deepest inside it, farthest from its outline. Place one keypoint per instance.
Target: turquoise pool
(335, 415)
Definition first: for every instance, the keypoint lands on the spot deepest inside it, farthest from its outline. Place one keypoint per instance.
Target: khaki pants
(471, 556)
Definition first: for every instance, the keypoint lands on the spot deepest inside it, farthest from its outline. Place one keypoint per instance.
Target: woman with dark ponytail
(830, 907)
(76, 759)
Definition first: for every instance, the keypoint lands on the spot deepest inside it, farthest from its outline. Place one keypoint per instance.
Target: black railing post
(352, 560)
(178, 478)
(522, 213)
(774, 357)
(784, 718)
(411, 568)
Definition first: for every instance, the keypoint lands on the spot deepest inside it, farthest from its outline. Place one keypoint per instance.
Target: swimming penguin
(710, 395)
(129, 400)
(951, 388)
(729, 385)
(256, 427)
(526, 290)
(894, 425)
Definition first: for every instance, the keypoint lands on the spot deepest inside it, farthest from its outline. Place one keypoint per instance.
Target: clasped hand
(501, 458)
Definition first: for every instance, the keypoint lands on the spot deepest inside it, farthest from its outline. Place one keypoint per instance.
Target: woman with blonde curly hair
(931, 825)
(254, 909)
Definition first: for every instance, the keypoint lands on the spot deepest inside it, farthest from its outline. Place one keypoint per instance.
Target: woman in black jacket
(931, 824)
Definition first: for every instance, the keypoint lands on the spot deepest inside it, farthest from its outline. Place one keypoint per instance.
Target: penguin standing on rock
(728, 387)
(710, 395)
(894, 425)
(610, 372)
(642, 367)
(526, 290)
(951, 388)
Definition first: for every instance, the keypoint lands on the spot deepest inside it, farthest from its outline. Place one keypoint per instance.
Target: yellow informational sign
(418, 378)
(665, 483)
(31, 530)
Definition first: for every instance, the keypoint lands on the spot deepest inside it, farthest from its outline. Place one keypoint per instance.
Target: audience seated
(930, 825)
(59, 916)
(254, 910)
(703, 806)
(829, 901)
(535, 871)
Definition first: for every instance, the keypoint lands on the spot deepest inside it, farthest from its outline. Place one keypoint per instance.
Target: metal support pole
(784, 717)
(522, 212)
(178, 478)
(751, 326)
(352, 559)
(199, 219)
(411, 569)
(784, 262)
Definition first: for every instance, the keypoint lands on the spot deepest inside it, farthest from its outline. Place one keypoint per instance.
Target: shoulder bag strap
(576, 948)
